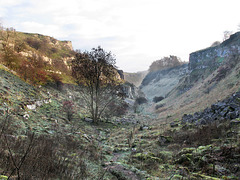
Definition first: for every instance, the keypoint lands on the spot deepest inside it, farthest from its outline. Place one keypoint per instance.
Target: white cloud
(50, 30)
(137, 31)
(10, 2)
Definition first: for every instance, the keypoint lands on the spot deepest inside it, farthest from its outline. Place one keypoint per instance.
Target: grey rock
(232, 115)
(234, 123)
(174, 124)
(224, 112)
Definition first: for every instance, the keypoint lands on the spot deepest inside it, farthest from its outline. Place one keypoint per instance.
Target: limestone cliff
(216, 61)
(202, 63)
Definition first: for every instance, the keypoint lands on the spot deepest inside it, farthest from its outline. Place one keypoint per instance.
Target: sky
(137, 32)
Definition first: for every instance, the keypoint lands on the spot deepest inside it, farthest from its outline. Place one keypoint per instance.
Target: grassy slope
(49, 121)
(160, 83)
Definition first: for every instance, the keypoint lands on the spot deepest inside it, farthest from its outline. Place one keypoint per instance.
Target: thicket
(141, 100)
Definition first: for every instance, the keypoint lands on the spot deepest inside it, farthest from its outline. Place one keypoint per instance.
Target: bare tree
(226, 35)
(95, 73)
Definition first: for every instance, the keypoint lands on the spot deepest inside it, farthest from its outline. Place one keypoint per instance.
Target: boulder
(187, 118)
(232, 115)
(226, 109)
(174, 124)
(224, 112)
(143, 127)
(218, 106)
(234, 122)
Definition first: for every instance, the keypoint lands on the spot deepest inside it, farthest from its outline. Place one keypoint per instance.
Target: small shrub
(117, 108)
(34, 43)
(141, 100)
(68, 108)
(157, 99)
(41, 77)
(57, 80)
(159, 106)
(201, 135)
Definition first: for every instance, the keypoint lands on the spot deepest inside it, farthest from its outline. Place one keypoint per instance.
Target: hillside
(213, 75)
(36, 58)
(161, 82)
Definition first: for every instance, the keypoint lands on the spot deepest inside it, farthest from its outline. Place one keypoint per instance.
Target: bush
(201, 135)
(157, 99)
(159, 106)
(68, 108)
(141, 100)
(56, 80)
(117, 109)
(34, 43)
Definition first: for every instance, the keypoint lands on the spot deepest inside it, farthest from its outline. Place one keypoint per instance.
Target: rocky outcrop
(130, 90)
(67, 44)
(204, 62)
(226, 109)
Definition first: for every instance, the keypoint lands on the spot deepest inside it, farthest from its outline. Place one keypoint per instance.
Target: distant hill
(135, 78)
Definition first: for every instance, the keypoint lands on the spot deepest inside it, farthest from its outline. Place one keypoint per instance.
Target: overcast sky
(136, 31)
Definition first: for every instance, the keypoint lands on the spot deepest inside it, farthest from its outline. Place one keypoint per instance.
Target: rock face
(68, 44)
(160, 83)
(204, 62)
(130, 90)
(226, 109)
